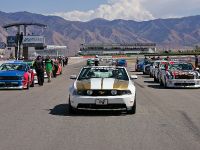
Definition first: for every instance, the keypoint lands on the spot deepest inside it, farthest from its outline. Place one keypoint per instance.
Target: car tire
(165, 84)
(133, 109)
(70, 108)
(28, 86)
(32, 84)
(154, 79)
(161, 82)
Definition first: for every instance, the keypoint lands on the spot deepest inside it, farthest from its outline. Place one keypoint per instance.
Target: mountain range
(167, 33)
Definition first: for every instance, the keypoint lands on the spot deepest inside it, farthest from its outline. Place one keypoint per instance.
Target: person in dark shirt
(196, 61)
(39, 68)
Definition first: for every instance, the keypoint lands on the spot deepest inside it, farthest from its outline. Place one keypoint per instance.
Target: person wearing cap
(96, 60)
(39, 68)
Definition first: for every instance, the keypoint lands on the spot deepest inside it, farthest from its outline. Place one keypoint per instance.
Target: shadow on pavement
(145, 76)
(62, 110)
(151, 82)
(156, 86)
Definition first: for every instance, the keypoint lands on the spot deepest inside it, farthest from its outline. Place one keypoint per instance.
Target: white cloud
(114, 9)
(172, 8)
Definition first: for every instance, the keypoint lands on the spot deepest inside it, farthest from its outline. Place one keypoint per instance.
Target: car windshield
(11, 67)
(117, 73)
(181, 67)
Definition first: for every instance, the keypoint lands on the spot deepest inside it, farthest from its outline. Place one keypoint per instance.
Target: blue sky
(48, 6)
(84, 10)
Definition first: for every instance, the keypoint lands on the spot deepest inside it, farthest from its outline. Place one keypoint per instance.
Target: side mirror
(133, 77)
(73, 77)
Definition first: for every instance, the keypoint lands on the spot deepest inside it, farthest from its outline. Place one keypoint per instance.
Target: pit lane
(166, 119)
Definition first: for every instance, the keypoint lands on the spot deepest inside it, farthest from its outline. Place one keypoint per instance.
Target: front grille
(94, 106)
(184, 77)
(101, 93)
(9, 78)
(184, 84)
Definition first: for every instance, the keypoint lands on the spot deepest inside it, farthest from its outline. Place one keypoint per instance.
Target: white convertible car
(103, 88)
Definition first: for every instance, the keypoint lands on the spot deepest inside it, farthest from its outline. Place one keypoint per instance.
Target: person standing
(55, 68)
(39, 68)
(196, 61)
(49, 67)
(66, 60)
(96, 60)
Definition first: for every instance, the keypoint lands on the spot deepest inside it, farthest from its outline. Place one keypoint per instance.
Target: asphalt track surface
(38, 119)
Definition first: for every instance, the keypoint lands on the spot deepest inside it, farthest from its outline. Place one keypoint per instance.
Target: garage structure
(113, 49)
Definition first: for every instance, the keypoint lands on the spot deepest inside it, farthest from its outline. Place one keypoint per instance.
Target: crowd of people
(48, 65)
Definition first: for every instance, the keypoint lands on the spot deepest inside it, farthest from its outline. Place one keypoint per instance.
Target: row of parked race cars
(170, 73)
(20, 74)
(110, 62)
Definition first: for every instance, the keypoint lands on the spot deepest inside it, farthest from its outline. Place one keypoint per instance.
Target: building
(52, 50)
(113, 49)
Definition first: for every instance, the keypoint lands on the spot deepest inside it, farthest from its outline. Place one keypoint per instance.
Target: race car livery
(16, 75)
(180, 75)
(103, 88)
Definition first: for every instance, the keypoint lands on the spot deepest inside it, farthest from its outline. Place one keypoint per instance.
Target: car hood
(102, 84)
(11, 73)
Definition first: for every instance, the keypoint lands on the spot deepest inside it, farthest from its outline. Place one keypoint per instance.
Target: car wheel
(154, 79)
(161, 82)
(70, 108)
(165, 84)
(28, 86)
(133, 109)
(150, 75)
(32, 84)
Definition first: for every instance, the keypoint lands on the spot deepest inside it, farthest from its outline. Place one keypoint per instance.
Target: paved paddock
(38, 119)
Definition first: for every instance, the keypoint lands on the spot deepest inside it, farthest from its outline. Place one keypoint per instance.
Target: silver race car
(103, 88)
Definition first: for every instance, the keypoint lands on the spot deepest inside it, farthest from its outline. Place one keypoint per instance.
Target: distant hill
(171, 33)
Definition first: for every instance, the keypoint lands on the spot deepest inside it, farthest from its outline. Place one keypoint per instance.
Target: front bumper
(183, 83)
(114, 102)
(11, 84)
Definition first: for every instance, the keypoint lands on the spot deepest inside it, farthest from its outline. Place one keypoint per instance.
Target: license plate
(101, 101)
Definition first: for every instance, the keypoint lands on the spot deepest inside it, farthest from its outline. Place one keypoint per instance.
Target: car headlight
(169, 76)
(21, 77)
(114, 92)
(197, 75)
(125, 92)
(76, 92)
(89, 92)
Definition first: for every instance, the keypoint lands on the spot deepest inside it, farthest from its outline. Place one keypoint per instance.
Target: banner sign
(33, 40)
(55, 47)
(11, 41)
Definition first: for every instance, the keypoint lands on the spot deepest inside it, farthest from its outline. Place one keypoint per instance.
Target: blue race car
(121, 62)
(139, 67)
(16, 75)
